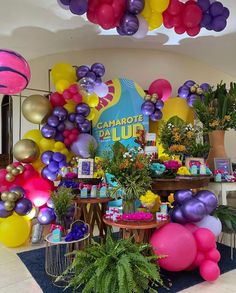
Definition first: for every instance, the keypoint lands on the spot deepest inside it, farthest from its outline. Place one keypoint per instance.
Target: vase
(217, 147)
(128, 206)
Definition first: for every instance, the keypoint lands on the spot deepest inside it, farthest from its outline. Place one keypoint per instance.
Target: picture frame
(85, 168)
(223, 164)
(190, 161)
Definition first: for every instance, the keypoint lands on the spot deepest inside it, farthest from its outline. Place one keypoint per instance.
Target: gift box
(161, 217)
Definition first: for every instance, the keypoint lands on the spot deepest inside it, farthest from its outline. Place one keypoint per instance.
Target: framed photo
(85, 168)
(189, 162)
(223, 164)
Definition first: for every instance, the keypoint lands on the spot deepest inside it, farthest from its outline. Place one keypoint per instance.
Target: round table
(165, 186)
(91, 210)
(141, 231)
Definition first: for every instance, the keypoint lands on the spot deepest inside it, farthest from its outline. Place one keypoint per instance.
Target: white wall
(142, 66)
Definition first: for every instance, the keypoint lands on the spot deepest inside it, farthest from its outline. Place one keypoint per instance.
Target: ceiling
(36, 28)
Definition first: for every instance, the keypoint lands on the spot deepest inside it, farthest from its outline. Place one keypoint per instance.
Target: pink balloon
(180, 29)
(205, 239)
(175, 7)
(209, 270)
(213, 255)
(4, 184)
(191, 227)
(177, 244)
(199, 259)
(67, 94)
(162, 88)
(74, 89)
(192, 15)
(77, 98)
(57, 99)
(192, 32)
(168, 20)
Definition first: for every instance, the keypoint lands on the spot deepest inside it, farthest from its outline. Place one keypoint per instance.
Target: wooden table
(166, 186)
(91, 210)
(141, 231)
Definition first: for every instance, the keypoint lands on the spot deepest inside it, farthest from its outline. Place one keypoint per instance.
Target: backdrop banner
(118, 115)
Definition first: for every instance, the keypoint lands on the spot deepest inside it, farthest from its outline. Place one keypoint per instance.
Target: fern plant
(114, 266)
(62, 201)
(227, 216)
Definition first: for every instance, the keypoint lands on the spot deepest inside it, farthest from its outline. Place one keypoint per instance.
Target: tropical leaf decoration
(227, 216)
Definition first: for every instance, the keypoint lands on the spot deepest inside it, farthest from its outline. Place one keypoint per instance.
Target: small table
(221, 189)
(91, 210)
(141, 231)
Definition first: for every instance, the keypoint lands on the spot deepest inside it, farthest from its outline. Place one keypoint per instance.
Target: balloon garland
(137, 17)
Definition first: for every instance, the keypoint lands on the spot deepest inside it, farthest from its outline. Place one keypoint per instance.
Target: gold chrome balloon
(15, 172)
(12, 196)
(9, 205)
(4, 196)
(36, 109)
(9, 168)
(9, 177)
(21, 168)
(26, 151)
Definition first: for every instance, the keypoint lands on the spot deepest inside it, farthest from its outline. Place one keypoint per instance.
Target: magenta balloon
(23, 206)
(194, 210)
(81, 146)
(181, 196)
(209, 199)
(177, 216)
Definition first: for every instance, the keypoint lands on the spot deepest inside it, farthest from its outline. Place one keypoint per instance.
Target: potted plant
(114, 266)
(217, 112)
(130, 173)
(62, 200)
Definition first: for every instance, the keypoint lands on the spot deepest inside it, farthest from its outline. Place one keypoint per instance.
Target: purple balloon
(159, 104)
(205, 86)
(80, 146)
(177, 216)
(135, 6)
(58, 157)
(47, 174)
(23, 206)
(216, 8)
(189, 83)
(209, 27)
(204, 4)
(83, 109)
(48, 131)
(50, 203)
(183, 91)
(59, 137)
(219, 23)
(81, 71)
(98, 81)
(98, 69)
(60, 112)
(192, 99)
(3, 212)
(61, 127)
(87, 84)
(78, 7)
(157, 115)
(46, 216)
(147, 108)
(85, 126)
(206, 19)
(65, 2)
(181, 196)
(193, 210)
(72, 117)
(64, 6)
(79, 118)
(53, 167)
(209, 199)
(69, 125)
(18, 189)
(129, 24)
(63, 164)
(226, 12)
(53, 121)
(120, 31)
(46, 157)
(91, 75)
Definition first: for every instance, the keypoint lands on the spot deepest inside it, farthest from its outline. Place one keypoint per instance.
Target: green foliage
(92, 150)
(199, 150)
(62, 200)
(217, 111)
(130, 170)
(227, 216)
(114, 266)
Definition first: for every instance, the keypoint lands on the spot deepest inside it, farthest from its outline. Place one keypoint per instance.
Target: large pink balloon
(209, 270)
(162, 87)
(205, 239)
(177, 244)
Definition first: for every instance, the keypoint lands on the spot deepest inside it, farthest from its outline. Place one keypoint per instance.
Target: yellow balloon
(65, 152)
(63, 71)
(146, 13)
(159, 5)
(14, 231)
(34, 135)
(46, 144)
(26, 151)
(59, 146)
(70, 106)
(36, 109)
(155, 21)
(91, 115)
(38, 165)
(62, 85)
(92, 100)
(31, 214)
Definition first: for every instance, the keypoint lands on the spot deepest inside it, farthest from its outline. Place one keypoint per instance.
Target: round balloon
(209, 199)
(3, 212)
(211, 223)
(81, 146)
(46, 216)
(14, 231)
(36, 109)
(26, 151)
(193, 210)
(180, 196)
(23, 206)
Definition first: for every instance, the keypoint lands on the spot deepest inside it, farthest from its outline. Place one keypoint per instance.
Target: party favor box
(85, 168)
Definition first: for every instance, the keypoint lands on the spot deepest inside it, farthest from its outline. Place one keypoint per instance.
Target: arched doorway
(6, 131)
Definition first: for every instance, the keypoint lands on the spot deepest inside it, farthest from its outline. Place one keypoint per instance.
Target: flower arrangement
(149, 199)
(217, 111)
(183, 171)
(137, 216)
(172, 165)
(130, 170)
